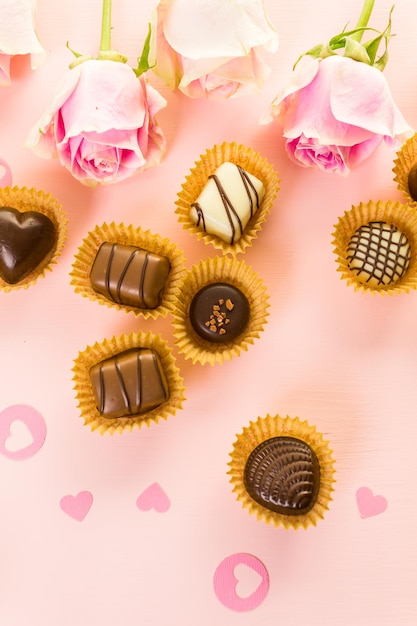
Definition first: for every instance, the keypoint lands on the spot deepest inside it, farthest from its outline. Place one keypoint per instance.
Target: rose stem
(363, 19)
(105, 43)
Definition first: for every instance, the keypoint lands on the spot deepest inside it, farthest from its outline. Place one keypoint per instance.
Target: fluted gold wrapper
(24, 199)
(405, 160)
(216, 270)
(132, 236)
(195, 181)
(402, 216)
(108, 348)
(275, 426)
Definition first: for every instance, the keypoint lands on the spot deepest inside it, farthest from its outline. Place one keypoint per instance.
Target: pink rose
(17, 35)
(212, 48)
(335, 112)
(101, 124)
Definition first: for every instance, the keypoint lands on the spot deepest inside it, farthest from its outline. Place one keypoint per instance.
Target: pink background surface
(343, 361)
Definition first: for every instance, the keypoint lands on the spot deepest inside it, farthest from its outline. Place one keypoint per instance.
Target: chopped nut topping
(218, 317)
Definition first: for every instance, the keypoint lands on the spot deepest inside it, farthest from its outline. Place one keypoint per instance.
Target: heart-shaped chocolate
(25, 240)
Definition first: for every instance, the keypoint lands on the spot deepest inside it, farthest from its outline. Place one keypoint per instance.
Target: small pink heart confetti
(154, 497)
(77, 506)
(368, 503)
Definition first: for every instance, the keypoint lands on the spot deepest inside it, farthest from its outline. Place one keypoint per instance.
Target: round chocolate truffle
(379, 254)
(282, 474)
(219, 312)
(412, 182)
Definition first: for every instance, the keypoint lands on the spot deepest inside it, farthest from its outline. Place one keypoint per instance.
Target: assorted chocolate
(227, 202)
(129, 275)
(282, 474)
(129, 383)
(378, 253)
(219, 312)
(26, 240)
(412, 182)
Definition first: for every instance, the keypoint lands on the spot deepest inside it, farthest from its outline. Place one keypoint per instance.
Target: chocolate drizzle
(231, 212)
(129, 275)
(378, 253)
(129, 383)
(283, 475)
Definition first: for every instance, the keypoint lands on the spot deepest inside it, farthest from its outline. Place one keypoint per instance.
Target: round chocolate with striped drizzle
(283, 475)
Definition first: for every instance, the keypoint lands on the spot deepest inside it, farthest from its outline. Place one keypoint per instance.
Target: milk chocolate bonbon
(129, 383)
(283, 475)
(26, 239)
(129, 275)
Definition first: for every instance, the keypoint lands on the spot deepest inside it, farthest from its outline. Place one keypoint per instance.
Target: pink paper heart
(370, 504)
(22, 432)
(154, 497)
(5, 174)
(77, 506)
(230, 582)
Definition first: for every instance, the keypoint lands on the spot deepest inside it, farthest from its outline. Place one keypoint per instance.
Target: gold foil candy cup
(131, 236)
(261, 431)
(405, 160)
(219, 270)
(195, 181)
(24, 199)
(93, 355)
(402, 216)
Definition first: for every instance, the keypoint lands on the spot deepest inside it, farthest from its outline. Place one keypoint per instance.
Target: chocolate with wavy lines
(227, 202)
(129, 275)
(283, 475)
(129, 383)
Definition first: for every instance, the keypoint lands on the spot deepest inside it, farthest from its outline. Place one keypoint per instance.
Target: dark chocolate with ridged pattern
(283, 475)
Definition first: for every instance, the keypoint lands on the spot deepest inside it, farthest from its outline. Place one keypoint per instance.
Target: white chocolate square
(227, 202)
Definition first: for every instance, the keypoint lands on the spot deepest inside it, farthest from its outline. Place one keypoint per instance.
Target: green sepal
(349, 42)
(356, 51)
(76, 54)
(143, 60)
